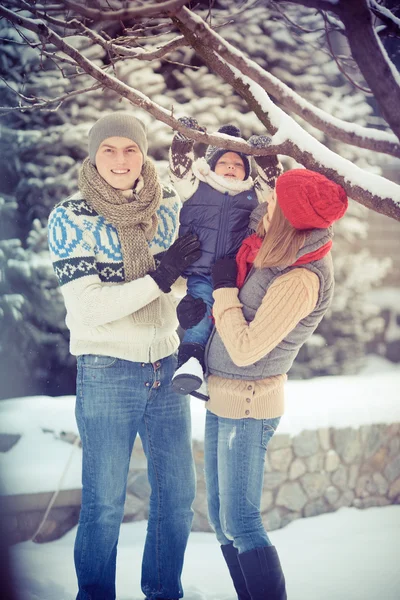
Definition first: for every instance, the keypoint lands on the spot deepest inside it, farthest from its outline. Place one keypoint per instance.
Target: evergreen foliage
(44, 150)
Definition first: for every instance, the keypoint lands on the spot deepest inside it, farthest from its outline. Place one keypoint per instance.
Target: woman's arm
(290, 299)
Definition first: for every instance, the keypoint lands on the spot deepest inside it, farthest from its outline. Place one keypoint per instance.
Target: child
(219, 197)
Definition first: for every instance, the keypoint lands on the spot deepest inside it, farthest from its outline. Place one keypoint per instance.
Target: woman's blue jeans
(234, 456)
(116, 399)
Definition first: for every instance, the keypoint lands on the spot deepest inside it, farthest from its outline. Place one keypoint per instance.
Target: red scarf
(251, 245)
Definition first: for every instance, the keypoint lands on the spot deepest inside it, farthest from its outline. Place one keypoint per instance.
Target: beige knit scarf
(135, 222)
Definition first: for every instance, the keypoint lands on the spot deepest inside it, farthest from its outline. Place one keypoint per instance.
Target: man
(104, 243)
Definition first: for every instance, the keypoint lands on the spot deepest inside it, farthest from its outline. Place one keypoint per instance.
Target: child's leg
(189, 375)
(200, 286)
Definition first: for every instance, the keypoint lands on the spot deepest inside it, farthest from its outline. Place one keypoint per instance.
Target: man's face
(119, 161)
(231, 166)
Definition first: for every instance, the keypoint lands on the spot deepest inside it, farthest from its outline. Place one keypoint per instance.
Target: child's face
(231, 166)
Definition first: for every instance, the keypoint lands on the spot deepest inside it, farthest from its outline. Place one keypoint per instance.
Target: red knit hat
(310, 200)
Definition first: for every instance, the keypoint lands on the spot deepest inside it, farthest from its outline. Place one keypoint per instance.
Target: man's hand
(183, 252)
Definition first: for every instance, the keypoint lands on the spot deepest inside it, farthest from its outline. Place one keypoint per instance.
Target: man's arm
(91, 301)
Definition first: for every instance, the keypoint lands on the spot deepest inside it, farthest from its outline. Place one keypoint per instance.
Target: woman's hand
(224, 273)
(190, 311)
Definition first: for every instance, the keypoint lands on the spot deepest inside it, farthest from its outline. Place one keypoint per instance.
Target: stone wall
(308, 474)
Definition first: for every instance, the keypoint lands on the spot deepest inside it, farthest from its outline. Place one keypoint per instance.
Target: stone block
(392, 470)
(315, 463)
(332, 494)
(332, 461)
(347, 443)
(306, 444)
(380, 483)
(353, 474)
(364, 485)
(394, 490)
(273, 480)
(297, 469)
(324, 435)
(373, 501)
(289, 517)
(374, 440)
(317, 507)
(377, 461)
(272, 520)
(340, 477)
(138, 485)
(291, 496)
(314, 484)
(394, 447)
(200, 523)
(346, 499)
(280, 440)
(134, 507)
(267, 500)
(281, 459)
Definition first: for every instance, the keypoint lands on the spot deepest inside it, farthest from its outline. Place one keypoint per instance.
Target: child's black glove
(183, 252)
(190, 311)
(224, 273)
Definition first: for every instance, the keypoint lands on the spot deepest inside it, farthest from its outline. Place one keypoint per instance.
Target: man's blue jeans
(116, 399)
(200, 286)
(234, 457)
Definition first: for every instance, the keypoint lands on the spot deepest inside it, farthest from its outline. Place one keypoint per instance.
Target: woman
(259, 330)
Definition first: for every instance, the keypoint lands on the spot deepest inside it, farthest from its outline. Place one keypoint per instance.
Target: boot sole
(186, 384)
(197, 394)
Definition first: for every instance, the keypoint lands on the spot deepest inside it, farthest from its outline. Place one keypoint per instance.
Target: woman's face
(270, 211)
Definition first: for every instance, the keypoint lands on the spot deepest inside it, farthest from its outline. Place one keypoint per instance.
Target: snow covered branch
(362, 137)
(151, 10)
(248, 79)
(367, 50)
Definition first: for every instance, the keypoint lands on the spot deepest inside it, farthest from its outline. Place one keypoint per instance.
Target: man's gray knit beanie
(120, 124)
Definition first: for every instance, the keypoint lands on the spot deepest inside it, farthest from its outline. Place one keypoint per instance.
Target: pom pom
(230, 130)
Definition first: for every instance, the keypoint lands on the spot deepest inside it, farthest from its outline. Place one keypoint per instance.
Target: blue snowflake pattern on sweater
(82, 242)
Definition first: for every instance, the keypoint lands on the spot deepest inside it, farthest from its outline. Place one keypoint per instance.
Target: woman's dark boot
(263, 574)
(230, 554)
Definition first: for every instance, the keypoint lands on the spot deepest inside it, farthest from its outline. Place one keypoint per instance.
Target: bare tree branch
(380, 73)
(151, 10)
(385, 15)
(350, 133)
(289, 138)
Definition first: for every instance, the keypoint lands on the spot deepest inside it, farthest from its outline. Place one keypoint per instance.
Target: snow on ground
(347, 401)
(348, 555)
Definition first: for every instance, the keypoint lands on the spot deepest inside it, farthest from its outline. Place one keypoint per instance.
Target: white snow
(340, 401)
(348, 555)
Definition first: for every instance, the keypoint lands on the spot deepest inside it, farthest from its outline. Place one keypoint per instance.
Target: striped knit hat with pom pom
(213, 153)
(310, 200)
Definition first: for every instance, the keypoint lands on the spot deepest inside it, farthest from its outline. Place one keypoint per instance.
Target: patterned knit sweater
(87, 259)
